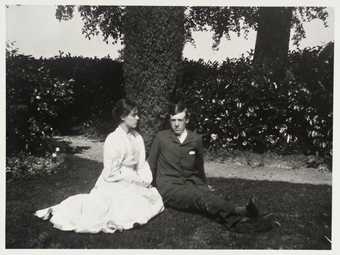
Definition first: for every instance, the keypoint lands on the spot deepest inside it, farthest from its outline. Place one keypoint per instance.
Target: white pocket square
(192, 152)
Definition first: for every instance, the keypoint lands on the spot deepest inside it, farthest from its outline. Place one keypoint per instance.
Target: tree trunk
(154, 41)
(273, 34)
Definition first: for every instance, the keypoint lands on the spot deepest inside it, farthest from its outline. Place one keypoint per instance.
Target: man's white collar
(182, 137)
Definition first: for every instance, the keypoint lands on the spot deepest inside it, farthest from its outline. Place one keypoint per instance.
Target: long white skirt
(108, 207)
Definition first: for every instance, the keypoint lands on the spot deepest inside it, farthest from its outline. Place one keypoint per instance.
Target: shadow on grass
(304, 212)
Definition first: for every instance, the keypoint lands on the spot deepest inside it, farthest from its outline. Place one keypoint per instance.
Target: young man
(176, 160)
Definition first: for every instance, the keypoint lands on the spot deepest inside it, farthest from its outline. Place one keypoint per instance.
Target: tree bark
(273, 34)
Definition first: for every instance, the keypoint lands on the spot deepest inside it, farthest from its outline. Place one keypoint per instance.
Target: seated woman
(123, 195)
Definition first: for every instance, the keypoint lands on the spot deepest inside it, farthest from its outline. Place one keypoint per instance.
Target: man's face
(178, 122)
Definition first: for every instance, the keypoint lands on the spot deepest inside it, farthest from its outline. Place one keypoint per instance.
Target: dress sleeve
(113, 158)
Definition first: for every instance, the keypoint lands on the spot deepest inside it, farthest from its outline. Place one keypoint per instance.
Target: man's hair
(178, 107)
(122, 109)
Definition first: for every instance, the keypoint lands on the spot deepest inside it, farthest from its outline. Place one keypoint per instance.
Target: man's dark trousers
(178, 169)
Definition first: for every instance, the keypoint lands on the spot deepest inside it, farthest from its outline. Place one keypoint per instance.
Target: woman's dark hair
(122, 109)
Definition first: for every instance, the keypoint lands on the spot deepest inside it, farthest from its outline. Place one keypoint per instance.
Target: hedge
(235, 105)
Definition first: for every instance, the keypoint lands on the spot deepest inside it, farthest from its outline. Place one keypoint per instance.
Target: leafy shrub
(34, 100)
(238, 105)
(26, 166)
(98, 84)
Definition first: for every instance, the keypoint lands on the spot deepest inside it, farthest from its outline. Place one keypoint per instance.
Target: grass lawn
(304, 212)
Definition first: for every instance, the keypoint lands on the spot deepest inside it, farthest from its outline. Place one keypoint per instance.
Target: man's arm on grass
(200, 160)
(153, 156)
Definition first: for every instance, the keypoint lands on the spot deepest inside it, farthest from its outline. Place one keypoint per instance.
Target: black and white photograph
(195, 125)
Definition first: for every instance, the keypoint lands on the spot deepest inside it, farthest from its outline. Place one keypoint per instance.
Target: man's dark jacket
(173, 163)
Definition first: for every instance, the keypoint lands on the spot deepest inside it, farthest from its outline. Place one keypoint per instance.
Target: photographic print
(183, 126)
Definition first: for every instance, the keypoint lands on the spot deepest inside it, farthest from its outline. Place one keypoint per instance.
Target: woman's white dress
(121, 197)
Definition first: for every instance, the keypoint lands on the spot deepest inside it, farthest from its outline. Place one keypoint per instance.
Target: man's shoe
(251, 209)
(260, 224)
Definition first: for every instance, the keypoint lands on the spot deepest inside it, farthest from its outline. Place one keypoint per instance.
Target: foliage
(34, 99)
(238, 105)
(154, 38)
(223, 20)
(98, 84)
(152, 61)
(23, 166)
(109, 20)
